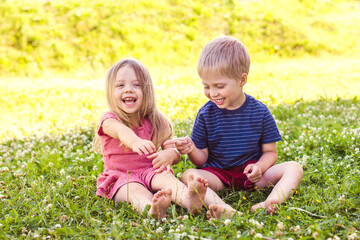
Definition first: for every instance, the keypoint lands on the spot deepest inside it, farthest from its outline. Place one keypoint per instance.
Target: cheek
(207, 92)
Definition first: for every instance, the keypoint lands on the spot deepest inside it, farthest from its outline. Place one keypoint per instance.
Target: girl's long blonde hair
(161, 126)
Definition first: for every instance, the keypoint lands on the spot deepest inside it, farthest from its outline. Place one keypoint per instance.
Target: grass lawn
(48, 179)
(305, 67)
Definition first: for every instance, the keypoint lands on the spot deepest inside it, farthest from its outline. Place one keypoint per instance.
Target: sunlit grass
(48, 184)
(38, 106)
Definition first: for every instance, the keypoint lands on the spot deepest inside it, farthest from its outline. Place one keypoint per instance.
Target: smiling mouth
(219, 101)
(129, 100)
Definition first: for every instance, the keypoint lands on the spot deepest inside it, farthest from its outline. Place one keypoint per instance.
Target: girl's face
(128, 92)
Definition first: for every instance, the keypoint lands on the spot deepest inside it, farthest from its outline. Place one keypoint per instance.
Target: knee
(296, 168)
(183, 177)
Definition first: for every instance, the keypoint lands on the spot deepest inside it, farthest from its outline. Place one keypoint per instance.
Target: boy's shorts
(233, 177)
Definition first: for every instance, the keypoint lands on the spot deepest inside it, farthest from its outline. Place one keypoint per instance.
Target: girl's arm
(164, 159)
(127, 137)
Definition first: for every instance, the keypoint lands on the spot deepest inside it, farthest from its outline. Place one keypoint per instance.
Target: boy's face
(225, 92)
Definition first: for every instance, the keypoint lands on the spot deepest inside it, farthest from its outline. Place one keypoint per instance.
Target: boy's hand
(143, 146)
(162, 160)
(253, 172)
(184, 145)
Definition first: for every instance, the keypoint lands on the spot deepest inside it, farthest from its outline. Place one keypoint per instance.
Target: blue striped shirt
(234, 137)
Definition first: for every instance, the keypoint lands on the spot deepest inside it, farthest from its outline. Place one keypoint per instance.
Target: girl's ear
(243, 79)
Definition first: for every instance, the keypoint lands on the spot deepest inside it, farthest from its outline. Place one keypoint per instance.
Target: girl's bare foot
(269, 205)
(197, 190)
(218, 211)
(160, 203)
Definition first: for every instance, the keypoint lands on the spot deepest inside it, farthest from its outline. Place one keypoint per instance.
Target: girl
(130, 135)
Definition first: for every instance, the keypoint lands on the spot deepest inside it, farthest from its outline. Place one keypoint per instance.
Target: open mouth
(219, 101)
(129, 100)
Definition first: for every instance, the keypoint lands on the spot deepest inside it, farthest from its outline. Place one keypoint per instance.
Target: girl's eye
(206, 87)
(119, 85)
(220, 86)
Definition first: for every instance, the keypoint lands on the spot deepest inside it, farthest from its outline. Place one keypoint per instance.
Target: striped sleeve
(199, 132)
(270, 131)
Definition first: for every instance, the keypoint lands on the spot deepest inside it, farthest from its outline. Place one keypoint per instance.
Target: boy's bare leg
(191, 197)
(285, 178)
(139, 196)
(217, 208)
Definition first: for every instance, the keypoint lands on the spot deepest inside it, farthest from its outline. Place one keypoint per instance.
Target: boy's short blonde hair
(224, 55)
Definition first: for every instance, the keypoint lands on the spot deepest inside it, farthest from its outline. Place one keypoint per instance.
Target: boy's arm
(269, 157)
(127, 137)
(199, 156)
(186, 146)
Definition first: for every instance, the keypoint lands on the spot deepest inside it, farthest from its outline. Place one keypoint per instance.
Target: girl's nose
(128, 88)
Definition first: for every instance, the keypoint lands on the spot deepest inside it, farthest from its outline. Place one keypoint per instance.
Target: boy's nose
(213, 93)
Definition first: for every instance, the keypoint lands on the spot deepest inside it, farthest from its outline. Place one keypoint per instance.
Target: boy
(233, 142)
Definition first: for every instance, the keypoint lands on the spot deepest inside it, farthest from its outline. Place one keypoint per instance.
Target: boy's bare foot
(218, 211)
(160, 203)
(269, 205)
(197, 190)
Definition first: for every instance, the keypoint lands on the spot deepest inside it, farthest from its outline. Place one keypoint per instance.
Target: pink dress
(121, 164)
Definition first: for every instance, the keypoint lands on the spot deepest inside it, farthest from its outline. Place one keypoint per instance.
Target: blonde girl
(130, 134)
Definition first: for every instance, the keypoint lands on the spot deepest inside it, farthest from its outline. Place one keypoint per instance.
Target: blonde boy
(233, 142)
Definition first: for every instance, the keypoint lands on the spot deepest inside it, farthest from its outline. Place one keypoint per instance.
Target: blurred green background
(54, 54)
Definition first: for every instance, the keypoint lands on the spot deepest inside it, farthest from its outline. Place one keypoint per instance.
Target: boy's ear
(243, 79)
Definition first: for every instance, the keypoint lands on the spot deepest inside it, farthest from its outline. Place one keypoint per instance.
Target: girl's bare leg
(217, 208)
(285, 178)
(191, 197)
(139, 196)
(160, 203)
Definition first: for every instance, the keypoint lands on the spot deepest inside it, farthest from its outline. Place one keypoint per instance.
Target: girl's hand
(143, 146)
(184, 145)
(163, 160)
(253, 172)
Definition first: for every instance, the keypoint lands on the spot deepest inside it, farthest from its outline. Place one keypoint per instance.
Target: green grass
(49, 183)
(53, 58)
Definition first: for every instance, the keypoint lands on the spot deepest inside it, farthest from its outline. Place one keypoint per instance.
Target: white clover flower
(353, 236)
(258, 235)
(280, 226)
(18, 173)
(51, 164)
(62, 172)
(57, 226)
(171, 230)
(4, 169)
(159, 230)
(60, 184)
(227, 222)
(36, 235)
